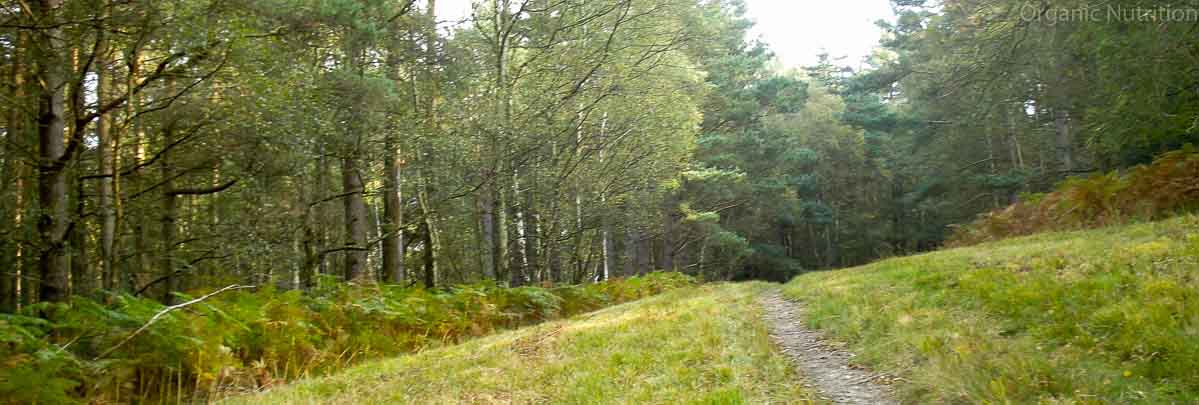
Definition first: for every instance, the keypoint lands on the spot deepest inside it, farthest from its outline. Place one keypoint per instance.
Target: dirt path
(825, 367)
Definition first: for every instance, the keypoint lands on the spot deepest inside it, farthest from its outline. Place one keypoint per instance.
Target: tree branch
(202, 191)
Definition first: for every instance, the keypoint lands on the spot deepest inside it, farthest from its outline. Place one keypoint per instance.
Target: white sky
(797, 30)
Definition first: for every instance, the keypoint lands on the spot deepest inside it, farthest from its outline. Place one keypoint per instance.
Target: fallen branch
(165, 311)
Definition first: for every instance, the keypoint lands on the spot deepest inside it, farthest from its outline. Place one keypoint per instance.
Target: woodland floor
(824, 365)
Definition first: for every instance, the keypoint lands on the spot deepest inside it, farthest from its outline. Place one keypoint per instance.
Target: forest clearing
(599, 201)
(1075, 320)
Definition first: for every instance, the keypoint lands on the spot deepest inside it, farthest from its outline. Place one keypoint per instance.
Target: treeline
(966, 106)
(159, 146)
(998, 98)
(151, 147)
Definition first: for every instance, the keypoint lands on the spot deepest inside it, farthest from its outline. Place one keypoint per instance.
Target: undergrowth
(698, 345)
(1099, 316)
(244, 341)
(1167, 187)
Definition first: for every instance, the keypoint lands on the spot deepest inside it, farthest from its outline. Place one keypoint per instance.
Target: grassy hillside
(1109, 315)
(694, 345)
(246, 339)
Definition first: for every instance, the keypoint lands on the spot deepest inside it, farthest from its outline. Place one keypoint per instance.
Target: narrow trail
(824, 366)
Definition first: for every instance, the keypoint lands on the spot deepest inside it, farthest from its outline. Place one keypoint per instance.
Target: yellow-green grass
(703, 344)
(1102, 316)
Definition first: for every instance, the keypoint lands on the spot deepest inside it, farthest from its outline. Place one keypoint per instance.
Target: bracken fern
(244, 341)
(1169, 186)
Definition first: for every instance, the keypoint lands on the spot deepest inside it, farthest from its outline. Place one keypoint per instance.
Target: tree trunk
(553, 253)
(549, 238)
(82, 280)
(1017, 155)
(356, 221)
(669, 219)
(432, 126)
(53, 223)
(631, 258)
(374, 228)
(606, 244)
(166, 262)
(577, 191)
(430, 264)
(644, 253)
(106, 154)
(503, 253)
(141, 262)
(11, 173)
(166, 223)
(502, 25)
(313, 244)
(1064, 139)
(518, 261)
(429, 231)
(609, 251)
(312, 256)
(393, 217)
(8, 257)
(1060, 97)
(578, 235)
(532, 237)
(992, 156)
(321, 213)
(490, 255)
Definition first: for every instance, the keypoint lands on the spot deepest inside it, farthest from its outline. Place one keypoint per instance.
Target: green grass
(1101, 316)
(705, 345)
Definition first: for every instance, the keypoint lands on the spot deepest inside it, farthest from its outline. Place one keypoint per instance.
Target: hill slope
(1109, 315)
(694, 345)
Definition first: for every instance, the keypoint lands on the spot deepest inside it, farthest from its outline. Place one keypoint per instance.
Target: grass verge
(1102, 316)
(703, 345)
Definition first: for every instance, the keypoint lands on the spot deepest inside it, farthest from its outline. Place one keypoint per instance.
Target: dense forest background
(158, 146)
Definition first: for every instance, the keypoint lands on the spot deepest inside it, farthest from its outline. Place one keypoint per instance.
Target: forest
(155, 151)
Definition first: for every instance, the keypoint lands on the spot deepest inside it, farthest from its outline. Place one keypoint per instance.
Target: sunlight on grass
(703, 345)
(1109, 315)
